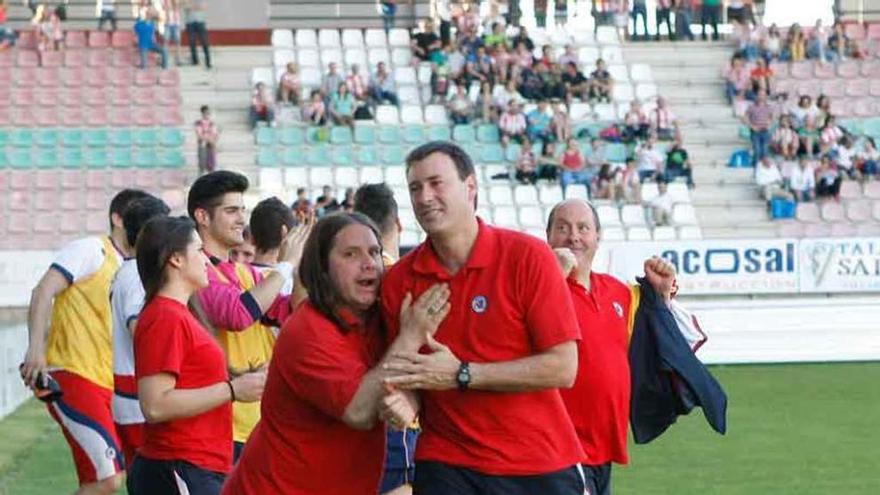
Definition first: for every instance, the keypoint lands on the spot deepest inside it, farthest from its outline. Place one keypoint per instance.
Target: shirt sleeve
(160, 346)
(227, 306)
(79, 259)
(132, 299)
(326, 371)
(545, 298)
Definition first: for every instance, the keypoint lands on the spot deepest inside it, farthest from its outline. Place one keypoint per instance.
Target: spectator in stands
(568, 56)
(503, 95)
(678, 164)
(828, 179)
(145, 29)
(844, 154)
(531, 82)
(683, 18)
(290, 86)
(802, 181)
(207, 135)
(106, 11)
(388, 9)
(173, 19)
(426, 42)
(497, 36)
(795, 44)
(522, 60)
(547, 59)
(440, 83)
(326, 203)
(574, 169)
(604, 186)
(526, 164)
(769, 179)
(562, 126)
(484, 104)
(664, 123)
(347, 203)
(838, 43)
(660, 206)
(195, 14)
(736, 79)
(627, 183)
(357, 84)
(480, 68)
(710, 13)
(601, 83)
(868, 159)
(785, 140)
(523, 37)
(501, 62)
(48, 29)
(823, 105)
(512, 124)
(315, 111)
(548, 162)
(382, 87)
(7, 36)
(455, 61)
(771, 44)
(301, 206)
(635, 122)
(829, 135)
(262, 106)
(576, 85)
(468, 45)
(553, 86)
(759, 117)
(342, 106)
(805, 118)
(817, 44)
(539, 122)
(597, 155)
(664, 8)
(746, 40)
(650, 160)
(331, 81)
(762, 78)
(460, 106)
(639, 9)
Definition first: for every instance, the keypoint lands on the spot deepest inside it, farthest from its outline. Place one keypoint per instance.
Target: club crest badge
(617, 309)
(479, 304)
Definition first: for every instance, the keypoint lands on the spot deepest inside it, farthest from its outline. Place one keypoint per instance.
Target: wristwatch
(463, 378)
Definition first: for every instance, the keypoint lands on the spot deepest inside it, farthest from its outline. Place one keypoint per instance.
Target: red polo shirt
(509, 301)
(301, 446)
(599, 401)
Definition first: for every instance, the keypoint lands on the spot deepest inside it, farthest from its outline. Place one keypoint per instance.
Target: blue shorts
(436, 478)
(172, 33)
(155, 477)
(400, 465)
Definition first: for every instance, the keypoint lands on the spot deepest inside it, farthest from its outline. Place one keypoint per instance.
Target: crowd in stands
(800, 150)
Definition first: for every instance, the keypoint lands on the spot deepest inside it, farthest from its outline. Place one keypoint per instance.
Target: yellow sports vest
(81, 330)
(245, 349)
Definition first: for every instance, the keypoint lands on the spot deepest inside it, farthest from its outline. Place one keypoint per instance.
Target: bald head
(574, 225)
(577, 207)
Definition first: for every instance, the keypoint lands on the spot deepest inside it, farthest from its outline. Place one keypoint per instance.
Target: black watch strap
(463, 378)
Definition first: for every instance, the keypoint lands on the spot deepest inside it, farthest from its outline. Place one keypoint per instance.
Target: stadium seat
(346, 177)
(500, 195)
(389, 135)
(328, 38)
(281, 57)
(411, 114)
(435, 115)
(608, 216)
(872, 190)
(464, 133)
(858, 211)
(51, 59)
(623, 93)
(340, 135)
(807, 213)
(868, 230)
(843, 230)
(690, 232)
(387, 114)
(641, 73)
(409, 95)
(367, 156)
(331, 56)
(392, 155)
(395, 175)
(832, 211)
(633, 215)
(607, 35)
(684, 214)
(19, 158)
(848, 69)
(613, 234)
(342, 155)
(305, 38)
(171, 158)
(491, 153)
(401, 57)
(580, 111)
(857, 87)
(439, 133)
(488, 133)
(413, 134)
(146, 137)
(824, 71)
(531, 216)
(638, 234)
(121, 158)
(376, 55)
(505, 216)
(550, 194)
(526, 196)
(309, 58)
(46, 138)
(267, 157)
(663, 234)
(282, 38)
(398, 37)
(318, 156)
(375, 38)
(646, 91)
(353, 56)
(405, 76)
(615, 152)
(292, 156)
(145, 158)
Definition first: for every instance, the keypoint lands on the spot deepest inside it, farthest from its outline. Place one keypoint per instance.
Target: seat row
(76, 57)
(51, 116)
(74, 158)
(27, 39)
(91, 138)
(99, 77)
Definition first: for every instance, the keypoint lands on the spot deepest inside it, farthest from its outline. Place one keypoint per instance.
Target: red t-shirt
(572, 160)
(509, 301)
(168, 339)
(301, 446)
(599, 401)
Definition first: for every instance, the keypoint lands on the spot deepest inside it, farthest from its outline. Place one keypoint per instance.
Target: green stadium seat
(46, 138)
(72, 138)
(414, 134)
(97, 138)
(492, 153)
(72, 158)
(488, 133)
(342, 156)
(318, 156)
(389, 134)
(293, 156)
(744, 132)
(364, 134)
(393, 155)
(367, 156)
(439, 133)
(871, 127)
(474, 150)
(121, 158)
(512, 152)
(854, 127)
(586, 149)
(615, 152)
(315, 135)
(22, 138)
(46, 159)
(267, 157)
(4, 138)
(146, 138)
(145, 158)
(464, 134)
(581, 128)
(292, 136)
(97, 159)
(121, 138)
(595, 129)
(172, 138)
(4, 160)
(172, 158)
(340, 135)
(19, 158)
(265, 136)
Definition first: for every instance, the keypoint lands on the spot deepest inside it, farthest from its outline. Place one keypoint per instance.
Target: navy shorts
(153, 477)
(399, 459)
(598, 479)
(435, 478)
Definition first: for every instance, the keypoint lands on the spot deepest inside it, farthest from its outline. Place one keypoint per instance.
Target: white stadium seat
(526, 195)
(264, 75)
(436, 115)
(607, 35)
(623, 93)
(395, 175)
(684, 214)
(608, 215)
(398, 37)
(646, 91)
(271, 178)
(355, 56)
(346, 177)
(376, 55)
(328, 38)
(679, 192)
(612, 54)
(405, 76)
(690, 232)
(664, 234)
(376, 38)
(550, 194)
(308, 58)
(320, 176)
(580, 112)
(387, 114)
(409, 95)
(613, 234)
(638, 234)
(618, 73)
(281, 58)
(306, 38)
(295, 177)
(505, 216)
(641, 73)
(587, 56)
(649, 191)
(310, 77)
(282, 38)
(633, 215)
(352, 38)
(331, 55)
(401, 57)
(372, 174)
(531, 216)
(500, 195)
(411, 114)
(605, 112)
(424, 74)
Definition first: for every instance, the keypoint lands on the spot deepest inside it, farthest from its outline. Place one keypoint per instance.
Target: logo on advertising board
(840, 265)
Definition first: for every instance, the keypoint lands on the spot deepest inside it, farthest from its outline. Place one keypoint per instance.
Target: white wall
(13, 343)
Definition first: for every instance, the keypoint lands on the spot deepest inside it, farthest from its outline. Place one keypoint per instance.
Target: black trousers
(598, 479)
(198, 30)
(154, 477)
(435, 478)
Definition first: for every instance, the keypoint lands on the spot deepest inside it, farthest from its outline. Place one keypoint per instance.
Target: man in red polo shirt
(493, 419)
(600, 399)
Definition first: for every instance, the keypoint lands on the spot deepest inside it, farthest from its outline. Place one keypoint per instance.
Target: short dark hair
(377, 202)
(121, 201)
(267, 218)
(207, 191)
(592, 209)
(160, 238)
(204, 108)
(315, 264)
(463, 162)
(139, 212)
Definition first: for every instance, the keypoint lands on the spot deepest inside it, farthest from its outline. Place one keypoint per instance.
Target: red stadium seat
(121, 76)
(833, 87)
(121, 178)
(97, 179)
(27, 40)
(170, 77)
(832, 211)
(868, 230)
(73, 180)
(857, 87)
(875, 210)
(858, 211)
(842, 107)
(850, 190)
(874, 31)
(144, 97)
(848, 69)
(120, 96)
(74, 219)
(146, 179)
(7, 59)
(72, 116)
(96, 117)
(46, 180)
(19, 223)
(874, 87)
(20, 181)
(75, 58)
(170, 116)
(95, 201)
(51, 59)
(46, 200)
(856, 31)
(5, 99)
(123, 39)
(74, 39)
(811, 87)
(23, 97)
(807, 212)
(144, 117)
(120, 117)
(871, 68)
(48, 76)
(872, 190)
(97, 77)
(72, 76)
(864, 107)
(123, 58)
(802, 70)
(46, 97)
(24, 117)
(93, 96)
(168, 96)
(780, 69)
(25, 76)
(96, 222)
(5, 116)
(824, 71)
(146, 77)
(173, 178)
(99, 39)
(99, 58)
(47, 116)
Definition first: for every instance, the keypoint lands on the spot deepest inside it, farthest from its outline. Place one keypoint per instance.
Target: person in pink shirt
(289, 86)
(357, 83)
(737, 78)
(207, 135)
(830, 134)
(635, 123)
(314, 111)
(512, 124)
(785, 140)
(262, 106)
(664, 123)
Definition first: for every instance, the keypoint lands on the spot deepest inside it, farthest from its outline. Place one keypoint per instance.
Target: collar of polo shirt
(482, 254)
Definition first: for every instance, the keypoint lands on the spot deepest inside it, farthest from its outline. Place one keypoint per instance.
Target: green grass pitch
(805, 429)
